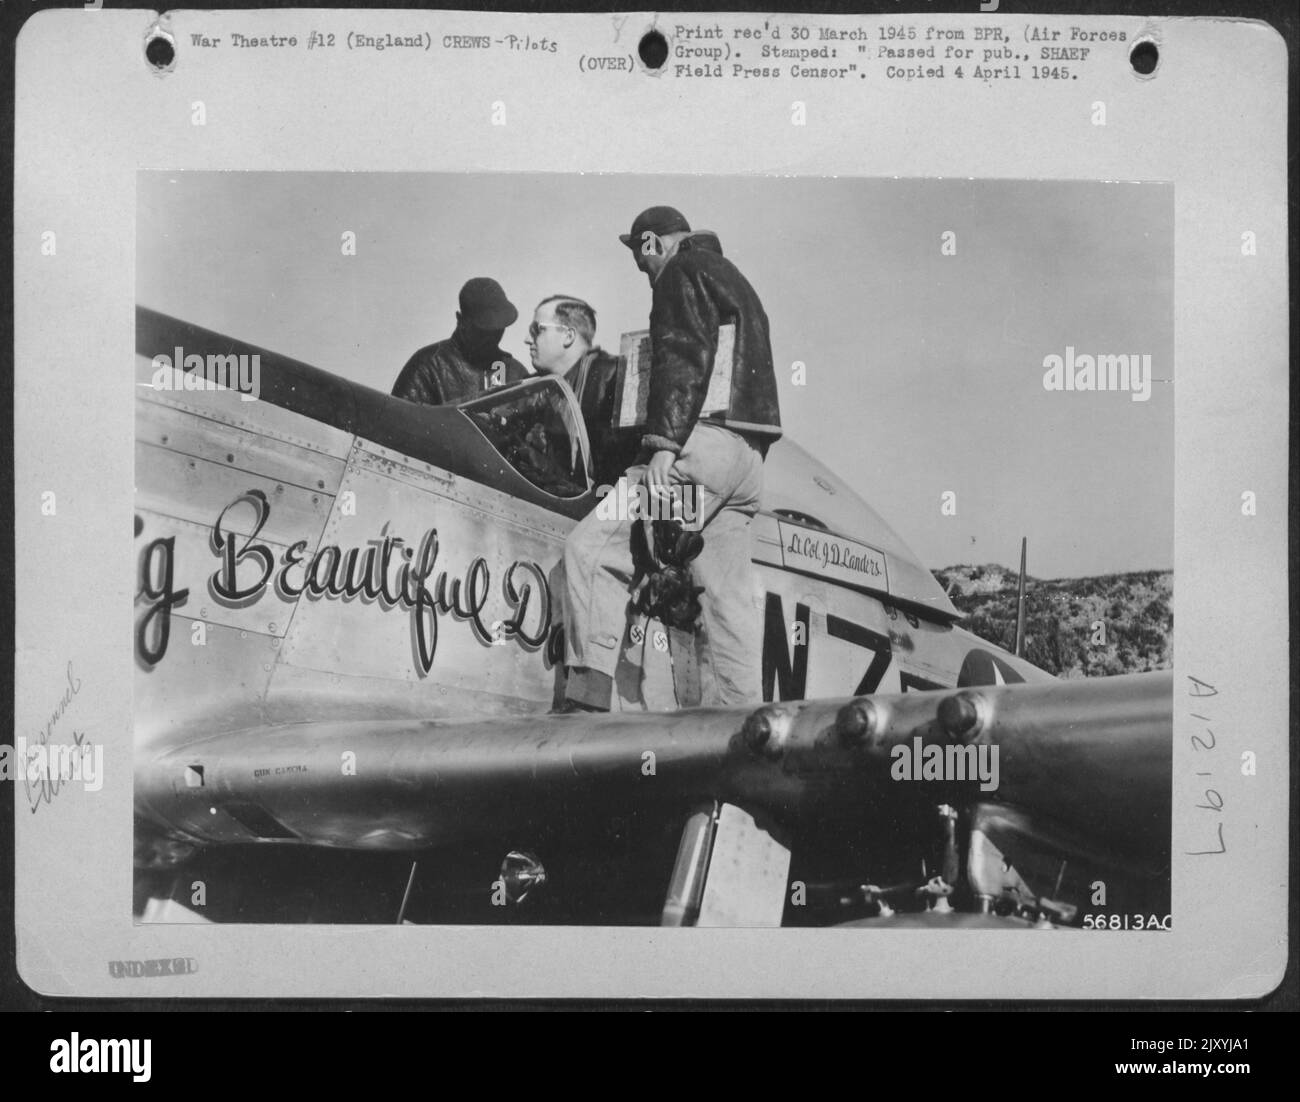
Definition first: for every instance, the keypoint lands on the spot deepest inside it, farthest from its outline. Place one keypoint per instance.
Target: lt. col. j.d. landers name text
(832, 556)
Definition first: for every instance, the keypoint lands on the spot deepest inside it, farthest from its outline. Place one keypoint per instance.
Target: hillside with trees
(1074, 627)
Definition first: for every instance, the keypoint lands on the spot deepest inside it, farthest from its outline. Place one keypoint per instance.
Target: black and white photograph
(653, 550)
(658, 507)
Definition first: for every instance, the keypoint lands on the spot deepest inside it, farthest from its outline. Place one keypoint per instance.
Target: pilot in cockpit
(560, 342)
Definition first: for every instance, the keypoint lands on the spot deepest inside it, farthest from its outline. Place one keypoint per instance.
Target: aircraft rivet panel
(300, 693)
(209, 677)
(177, 572)
(503, 508)
(208, 493)
(421, 588)
(236, 448)
(229, 408)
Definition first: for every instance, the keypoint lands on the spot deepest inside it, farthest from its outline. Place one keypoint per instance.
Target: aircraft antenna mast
(1020, 602)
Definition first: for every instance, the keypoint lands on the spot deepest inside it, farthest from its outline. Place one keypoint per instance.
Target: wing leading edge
(1090, 755)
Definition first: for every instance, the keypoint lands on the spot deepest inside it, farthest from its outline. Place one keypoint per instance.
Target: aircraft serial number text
(1127, 922)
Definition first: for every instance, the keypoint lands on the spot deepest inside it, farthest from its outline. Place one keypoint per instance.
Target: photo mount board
(1213, 131)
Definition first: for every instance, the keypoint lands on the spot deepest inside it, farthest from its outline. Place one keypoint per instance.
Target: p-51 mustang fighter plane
(348, 647)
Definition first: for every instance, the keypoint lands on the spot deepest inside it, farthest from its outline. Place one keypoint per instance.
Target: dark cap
(656, 220)
(484, 304)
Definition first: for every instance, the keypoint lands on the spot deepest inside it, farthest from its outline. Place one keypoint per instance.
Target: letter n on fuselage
(785, 673)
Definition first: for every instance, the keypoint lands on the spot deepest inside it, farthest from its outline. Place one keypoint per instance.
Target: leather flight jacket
(445, 374)
(594, 380)
(696, 293)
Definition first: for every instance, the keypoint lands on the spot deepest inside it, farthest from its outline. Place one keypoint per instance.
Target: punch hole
(1144, 57)
(653, 50)
(160, 50)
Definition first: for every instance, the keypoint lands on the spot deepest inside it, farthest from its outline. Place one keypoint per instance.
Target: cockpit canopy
(535, 427)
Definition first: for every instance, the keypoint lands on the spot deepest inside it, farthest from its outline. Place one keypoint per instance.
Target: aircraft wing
(1086, 760)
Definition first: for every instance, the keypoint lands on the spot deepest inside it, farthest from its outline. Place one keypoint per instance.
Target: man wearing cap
(695, 293)
(470, 361)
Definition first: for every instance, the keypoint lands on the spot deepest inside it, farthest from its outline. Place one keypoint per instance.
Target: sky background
(924, 371)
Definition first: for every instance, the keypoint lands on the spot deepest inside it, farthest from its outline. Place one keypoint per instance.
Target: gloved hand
(669, 594)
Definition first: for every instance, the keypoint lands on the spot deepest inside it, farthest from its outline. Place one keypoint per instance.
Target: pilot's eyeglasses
(536, 327)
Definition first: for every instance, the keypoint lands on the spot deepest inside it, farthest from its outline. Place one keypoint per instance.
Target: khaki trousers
(726, 473)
